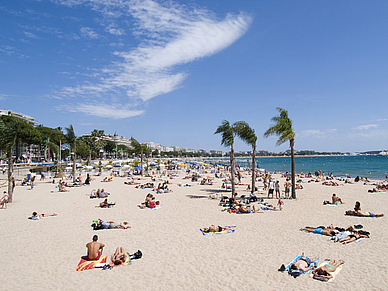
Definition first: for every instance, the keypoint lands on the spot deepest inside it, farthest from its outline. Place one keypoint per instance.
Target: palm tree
(247, 134)
(71, 139)
(283, 129)
(227, 140)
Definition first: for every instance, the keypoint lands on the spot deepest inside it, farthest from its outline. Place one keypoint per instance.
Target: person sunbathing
(303, 264)
(247, 209)
(119, 257)
(105, 204)
(357, 212)
(355, 236)
(214, 228)
(328, 268)
(100, 224)
(36, 216)
(335, 199)
(329, 231)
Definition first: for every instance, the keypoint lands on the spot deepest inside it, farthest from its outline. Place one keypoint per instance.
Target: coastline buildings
(22, 116)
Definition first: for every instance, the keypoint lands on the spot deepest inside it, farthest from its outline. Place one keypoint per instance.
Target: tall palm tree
(71, 139)
(227, 140)
(283, 129)
(247, 134)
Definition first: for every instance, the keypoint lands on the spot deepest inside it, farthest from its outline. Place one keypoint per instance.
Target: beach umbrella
(68, 168)
(137, 167)
(117, 166)
(109, 166)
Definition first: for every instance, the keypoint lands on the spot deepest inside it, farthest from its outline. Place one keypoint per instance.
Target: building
(24, 117)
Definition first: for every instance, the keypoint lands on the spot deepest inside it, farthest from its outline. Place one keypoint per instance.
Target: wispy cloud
(103, 110)
(30, 34)
(366, 126)
(88, 32)
(171, 35)
(318, 133)
(382, 119)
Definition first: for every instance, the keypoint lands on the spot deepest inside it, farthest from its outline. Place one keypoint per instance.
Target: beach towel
(84, 264)
(226, 231)
(299, 272)
(334, 274)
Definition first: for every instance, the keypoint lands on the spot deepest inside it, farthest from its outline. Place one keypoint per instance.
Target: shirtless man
(94, 249)
(303, 264)
(329, 230)
(287, 187)
(335, 199)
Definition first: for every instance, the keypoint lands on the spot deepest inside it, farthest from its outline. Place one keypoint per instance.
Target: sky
(169, 72)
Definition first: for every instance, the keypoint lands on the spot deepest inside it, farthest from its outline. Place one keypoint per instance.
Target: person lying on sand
(247, 209)
(303, 264)
(355, 236)
(357, 212)
(329, 231)
(214, 228)
(36, 216)
(100, 224)
(328, 268)
(94, 249)
(120, 257)
(105, 204)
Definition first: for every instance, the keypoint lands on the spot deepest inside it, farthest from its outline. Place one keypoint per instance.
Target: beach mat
(229, 230)
(84, 264)
(297, 258)
(334, 274)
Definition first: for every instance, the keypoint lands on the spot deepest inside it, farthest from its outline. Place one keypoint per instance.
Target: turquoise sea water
(373, 167)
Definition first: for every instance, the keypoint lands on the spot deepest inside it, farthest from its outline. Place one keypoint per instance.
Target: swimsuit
(318, 230)
(95, 259)
(330, 266)
(307, 260)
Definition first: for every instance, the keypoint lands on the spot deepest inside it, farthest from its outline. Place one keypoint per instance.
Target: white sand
(43, 255)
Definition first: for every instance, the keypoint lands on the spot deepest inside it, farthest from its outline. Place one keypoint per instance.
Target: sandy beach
(43, 254)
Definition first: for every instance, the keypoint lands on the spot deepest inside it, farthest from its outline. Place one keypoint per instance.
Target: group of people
(338, 234)
(99, 193)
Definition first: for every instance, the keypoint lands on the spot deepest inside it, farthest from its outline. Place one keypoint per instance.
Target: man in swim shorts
(303, 264)
(94, 249)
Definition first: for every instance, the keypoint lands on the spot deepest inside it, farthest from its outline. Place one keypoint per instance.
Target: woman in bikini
(327, 269)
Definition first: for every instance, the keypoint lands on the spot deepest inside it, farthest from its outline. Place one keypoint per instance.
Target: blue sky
(171, 71)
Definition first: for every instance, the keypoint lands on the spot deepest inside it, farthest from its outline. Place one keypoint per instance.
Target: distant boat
(384, 153)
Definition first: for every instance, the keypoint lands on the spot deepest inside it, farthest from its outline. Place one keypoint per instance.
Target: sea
(372, 166)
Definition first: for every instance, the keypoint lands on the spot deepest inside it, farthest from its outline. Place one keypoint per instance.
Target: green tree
(138, 149)
(282, 128)
(83, 149)
(247, 134)
(109, 146)
(14, 131)
(227, 140)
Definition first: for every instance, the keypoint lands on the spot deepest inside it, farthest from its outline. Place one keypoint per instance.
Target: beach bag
(295, 273)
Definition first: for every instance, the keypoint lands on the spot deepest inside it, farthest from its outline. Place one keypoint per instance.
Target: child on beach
(4, 200)
(280, 204)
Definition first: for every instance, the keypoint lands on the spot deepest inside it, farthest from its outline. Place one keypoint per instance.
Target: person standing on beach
(94, 249)
(270, 188)
(32, 182)
(287, 187)
(277, 189)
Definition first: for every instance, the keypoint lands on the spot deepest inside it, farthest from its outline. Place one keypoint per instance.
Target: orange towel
(87, 265)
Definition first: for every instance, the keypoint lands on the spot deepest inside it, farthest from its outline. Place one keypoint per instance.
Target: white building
(24, 117)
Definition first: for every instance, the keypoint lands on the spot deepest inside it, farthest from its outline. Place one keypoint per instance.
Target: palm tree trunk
(141, 162)
(75, 153)
(293, 193)
(253, 168)
(10, 172)
(232, 169)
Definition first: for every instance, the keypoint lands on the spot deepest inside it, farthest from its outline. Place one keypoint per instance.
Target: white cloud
(88, 32)
(113, 30)
(30, 34)
(318, 133)
(170, 36)
(104, 110)
(366, 126)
